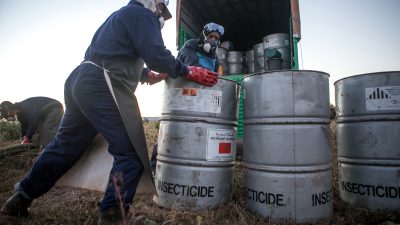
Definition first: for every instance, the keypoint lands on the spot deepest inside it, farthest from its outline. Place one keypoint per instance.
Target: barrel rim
(235, 52)
(199, 85)
(274, 71)
(195, 119)
(279, 33)
(369, 162)
(222, 78)
(326, 166)
(195, 163)
(365, 74)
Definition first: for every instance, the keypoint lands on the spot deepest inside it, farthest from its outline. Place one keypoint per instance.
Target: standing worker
(37, 115)
(99, 98)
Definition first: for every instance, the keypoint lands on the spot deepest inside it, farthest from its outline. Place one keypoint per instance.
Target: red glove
(153, 78)
(202, 76)
(25, 140)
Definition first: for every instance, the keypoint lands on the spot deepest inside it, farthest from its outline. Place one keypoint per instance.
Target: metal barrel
(277, 40)
(368, 140)
(250, 61)
(287, 154)
(274, 64)
(280, 42)
(258, 57)
(224, 66)
(196, 144)
(286, 54)
(235, 62)
(222, 55)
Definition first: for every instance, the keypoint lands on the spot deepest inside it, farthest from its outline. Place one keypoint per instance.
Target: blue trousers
(90, 109)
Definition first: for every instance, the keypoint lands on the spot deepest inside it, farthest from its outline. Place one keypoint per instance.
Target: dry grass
(65, 205)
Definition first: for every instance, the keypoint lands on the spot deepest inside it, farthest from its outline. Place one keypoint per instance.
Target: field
(65, 205)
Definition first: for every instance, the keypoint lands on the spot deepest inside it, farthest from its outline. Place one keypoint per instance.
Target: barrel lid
(365, 74)
(279, 71)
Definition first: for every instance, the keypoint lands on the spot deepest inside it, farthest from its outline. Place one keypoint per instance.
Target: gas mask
(210, 47)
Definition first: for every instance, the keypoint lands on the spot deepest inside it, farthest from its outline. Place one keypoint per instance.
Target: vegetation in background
(9, 130)
(67, 205)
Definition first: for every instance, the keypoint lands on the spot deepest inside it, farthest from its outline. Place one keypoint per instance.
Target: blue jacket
(30, 112)
(132, 32)
(191, 52)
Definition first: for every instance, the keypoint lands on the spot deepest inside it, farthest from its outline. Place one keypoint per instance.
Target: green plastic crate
(238, 79)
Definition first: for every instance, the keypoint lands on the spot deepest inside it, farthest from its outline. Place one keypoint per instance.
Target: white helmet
(151, 4)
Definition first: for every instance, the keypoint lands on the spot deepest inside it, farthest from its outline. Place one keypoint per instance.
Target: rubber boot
(112, 217)
(17, 206)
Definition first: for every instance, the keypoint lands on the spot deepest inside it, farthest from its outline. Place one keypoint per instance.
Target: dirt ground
(66, 205)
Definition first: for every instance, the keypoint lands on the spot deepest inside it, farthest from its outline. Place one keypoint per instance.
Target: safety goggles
(210, 27)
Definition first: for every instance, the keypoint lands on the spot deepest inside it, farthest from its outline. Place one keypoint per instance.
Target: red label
(224, 148)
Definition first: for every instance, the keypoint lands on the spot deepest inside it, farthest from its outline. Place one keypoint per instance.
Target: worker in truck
(99, 98)
(197, 52)
(202, 51)
(39, 118)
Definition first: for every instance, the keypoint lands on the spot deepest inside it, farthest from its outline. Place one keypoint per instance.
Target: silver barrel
(250, 61)
(280, 42)
(222, 55)
(277, 40)
(225, 70)
(287, 154)
(235, 62)
(368, 139)
(196, 144)
(258, 57)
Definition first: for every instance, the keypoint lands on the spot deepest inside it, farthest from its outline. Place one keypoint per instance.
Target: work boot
(112, 217)
(17, 206)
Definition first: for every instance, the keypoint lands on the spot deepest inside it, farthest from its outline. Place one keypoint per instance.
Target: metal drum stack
(196, 144)
(259, 58)
(250, 61)
(287, 153)
(280, 42)
(368, 140)
(235, 62)
(222, 55)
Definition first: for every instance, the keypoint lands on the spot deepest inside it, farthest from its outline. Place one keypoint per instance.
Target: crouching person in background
(40, 118)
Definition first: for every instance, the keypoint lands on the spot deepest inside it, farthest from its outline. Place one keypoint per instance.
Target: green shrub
(9, 130)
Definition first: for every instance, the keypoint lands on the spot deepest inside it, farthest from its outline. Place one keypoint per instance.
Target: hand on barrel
(202, 76)
(153, 78)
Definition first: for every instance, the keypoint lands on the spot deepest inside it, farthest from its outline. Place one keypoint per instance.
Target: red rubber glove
(25, 140)
(153, 78)
(202, 76)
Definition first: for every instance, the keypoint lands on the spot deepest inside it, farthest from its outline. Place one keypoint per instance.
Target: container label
(194, 99)
(286, 42)
(275, 43)
(370, 190)
(221, 145)
(275, 199)
(185, 190)
(382, 98)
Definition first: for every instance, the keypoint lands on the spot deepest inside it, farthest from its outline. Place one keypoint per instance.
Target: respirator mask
(210, 47)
